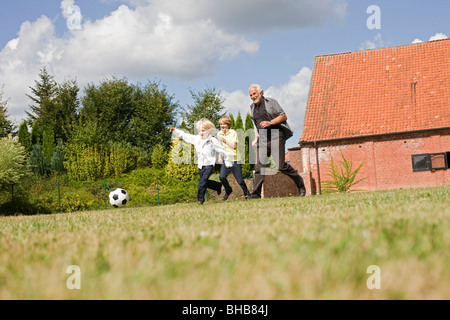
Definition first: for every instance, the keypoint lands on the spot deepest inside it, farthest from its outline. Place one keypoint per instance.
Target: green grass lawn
(316, 247)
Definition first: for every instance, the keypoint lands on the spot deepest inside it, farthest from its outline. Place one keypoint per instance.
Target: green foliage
(25, 137)
(35, 139)
(57, 160)
(48, 143)
(160, 157)
(84, 162)
(154, 114)
(238, 124)
(42, 102)
(107, 110)
(38, 162)
(117, 111)
(232, 121)
(6, 126)
(207, 104)
(13, 165)
(66, 108)
(342, 174)
(181, 164)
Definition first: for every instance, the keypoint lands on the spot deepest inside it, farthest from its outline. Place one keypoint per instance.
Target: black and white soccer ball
(118, 198)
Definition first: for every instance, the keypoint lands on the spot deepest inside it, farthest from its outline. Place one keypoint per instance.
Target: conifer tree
(48, 143)
(25, 137)
(42, 102)
(6, 126)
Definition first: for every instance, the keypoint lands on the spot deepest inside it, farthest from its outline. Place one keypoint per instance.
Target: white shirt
(206, 148)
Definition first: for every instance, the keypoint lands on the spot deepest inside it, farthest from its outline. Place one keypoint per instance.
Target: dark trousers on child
(204, 183)
(237, 172)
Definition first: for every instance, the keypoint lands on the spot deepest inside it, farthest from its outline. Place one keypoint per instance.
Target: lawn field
(319, 247)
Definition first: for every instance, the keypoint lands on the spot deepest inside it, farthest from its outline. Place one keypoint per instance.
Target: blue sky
(195, 44)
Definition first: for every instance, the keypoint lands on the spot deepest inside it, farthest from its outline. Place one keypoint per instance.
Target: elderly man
(272, 132)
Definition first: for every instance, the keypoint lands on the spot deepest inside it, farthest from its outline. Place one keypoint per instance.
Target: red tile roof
(380, 91)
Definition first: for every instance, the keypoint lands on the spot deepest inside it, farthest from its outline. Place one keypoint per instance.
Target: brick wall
(387, 160)
(295, 158)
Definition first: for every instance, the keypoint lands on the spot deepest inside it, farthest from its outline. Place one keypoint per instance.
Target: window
(430, 161)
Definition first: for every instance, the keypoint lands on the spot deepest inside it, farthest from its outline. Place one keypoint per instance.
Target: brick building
(388, 107)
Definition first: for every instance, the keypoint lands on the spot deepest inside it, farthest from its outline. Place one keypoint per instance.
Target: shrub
(342, 175)
(13, 164)
(181, 164)
(160, 157)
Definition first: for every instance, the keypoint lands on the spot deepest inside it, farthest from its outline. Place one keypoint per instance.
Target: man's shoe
(220, 191)
(254, 196)
(200, 202)
(302, 191)
(225, 196)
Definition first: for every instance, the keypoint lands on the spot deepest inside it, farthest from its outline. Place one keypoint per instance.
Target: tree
(37, 161)
(238, 124)
(232, 121)
(43, 102)
(25, 136)
(13, 164)
(6, 126)
(56, 162)
(48, 143)
(154, 114)
(108, 108)
(66, 110)
(207, 104)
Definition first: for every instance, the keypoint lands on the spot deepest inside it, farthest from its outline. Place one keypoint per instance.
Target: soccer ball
(118, 198)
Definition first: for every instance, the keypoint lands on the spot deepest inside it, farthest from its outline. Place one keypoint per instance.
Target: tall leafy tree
(154, 114)
(207, 104)
(107, 111)
(67, 105)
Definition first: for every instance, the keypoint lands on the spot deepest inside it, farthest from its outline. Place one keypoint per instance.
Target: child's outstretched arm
(189, 138)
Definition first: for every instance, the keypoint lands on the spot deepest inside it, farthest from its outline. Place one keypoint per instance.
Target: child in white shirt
(206, 147)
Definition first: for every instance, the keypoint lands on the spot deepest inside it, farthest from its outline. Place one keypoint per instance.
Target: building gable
(380, 91)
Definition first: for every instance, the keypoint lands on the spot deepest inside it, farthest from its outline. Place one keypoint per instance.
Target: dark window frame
(419, 166)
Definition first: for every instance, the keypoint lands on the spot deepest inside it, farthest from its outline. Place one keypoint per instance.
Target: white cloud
(292, 96)
(128, 42)
(252, 16)
(376, 42)
(185, 39)
(437, 36)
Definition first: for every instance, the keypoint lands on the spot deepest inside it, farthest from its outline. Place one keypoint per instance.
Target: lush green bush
(13, 165)
(181, 165)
